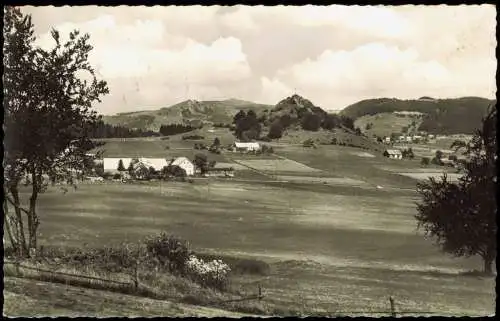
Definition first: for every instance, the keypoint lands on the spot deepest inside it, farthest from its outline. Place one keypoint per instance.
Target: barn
(185, 164)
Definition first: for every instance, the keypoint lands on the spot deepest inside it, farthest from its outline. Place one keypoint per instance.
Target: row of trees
(102, 130)
(173, 129)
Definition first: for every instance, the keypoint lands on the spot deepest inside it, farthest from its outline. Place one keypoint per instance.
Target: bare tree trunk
(488, 264)
(20, 226)
(33, 221)
(8, 220)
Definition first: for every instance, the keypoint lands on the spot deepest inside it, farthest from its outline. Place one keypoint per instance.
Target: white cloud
(333, 55)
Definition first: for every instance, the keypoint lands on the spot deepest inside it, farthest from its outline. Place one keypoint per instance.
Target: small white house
(185, 164)
(393, 153)
(387, 140)
(251, 146)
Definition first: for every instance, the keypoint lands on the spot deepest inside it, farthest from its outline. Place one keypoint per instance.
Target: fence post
(393, 310)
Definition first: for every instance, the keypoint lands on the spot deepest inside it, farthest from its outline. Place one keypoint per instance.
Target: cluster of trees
(201, 162)
(310, 122)
(173, 129)
(408, 153)
(99, 129)
(147, 173)
(247, 126)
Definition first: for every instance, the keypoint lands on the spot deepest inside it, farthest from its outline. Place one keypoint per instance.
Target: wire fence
(259, 296)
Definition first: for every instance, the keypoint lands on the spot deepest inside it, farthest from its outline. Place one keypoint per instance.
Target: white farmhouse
(252, 146)
(185, 164)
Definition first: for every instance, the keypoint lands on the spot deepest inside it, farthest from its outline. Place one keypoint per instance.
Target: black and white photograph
(249, 161)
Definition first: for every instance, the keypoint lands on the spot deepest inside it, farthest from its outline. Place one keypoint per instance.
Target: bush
(171, 251)
(213, 274)
(425, 161)
(192, 137)
(117, 176)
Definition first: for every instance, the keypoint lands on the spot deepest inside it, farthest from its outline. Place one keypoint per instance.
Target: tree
(201, 162)
(240, 115)
(121, 168)
(358, 131)
(330, 122)
(311, 122)
(425, 161)
(462, 216)
(439, 154)
(48, 97)
(276, 130)
(216, 142)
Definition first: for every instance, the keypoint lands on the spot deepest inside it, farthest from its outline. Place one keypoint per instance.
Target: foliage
(48, 97)
(425, 161)
(309, 143)
(201, 162)
(214, 274)
(121, 167)
(330, 122)
(462, 216)
(311, 122)
(408, 153)
(247, 126)
(192, 137)
(170, 251)
(173, 129)
(276, 130)
(103, 130)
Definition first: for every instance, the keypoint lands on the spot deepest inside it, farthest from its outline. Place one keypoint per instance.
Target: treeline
(173, 129)
(103, 130)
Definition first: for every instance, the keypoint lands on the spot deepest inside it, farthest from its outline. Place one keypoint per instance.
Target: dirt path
(23, 297)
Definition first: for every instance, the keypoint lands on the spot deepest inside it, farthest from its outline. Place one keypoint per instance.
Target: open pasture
(276, 165)
(345, 162)
(333, 248)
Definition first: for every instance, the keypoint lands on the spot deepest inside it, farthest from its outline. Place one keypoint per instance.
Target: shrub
(425, 161)
(213, 274)
(117, 176)
(171, 251)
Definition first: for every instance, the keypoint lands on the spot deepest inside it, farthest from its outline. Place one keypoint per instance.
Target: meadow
(335, 247)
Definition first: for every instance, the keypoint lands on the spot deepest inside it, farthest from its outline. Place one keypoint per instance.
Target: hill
(189, 112)
(439, 116)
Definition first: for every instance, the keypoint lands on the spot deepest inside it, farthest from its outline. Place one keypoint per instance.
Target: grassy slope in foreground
(30, 298)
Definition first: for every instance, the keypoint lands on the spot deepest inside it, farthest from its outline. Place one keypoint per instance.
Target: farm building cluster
(144, 168)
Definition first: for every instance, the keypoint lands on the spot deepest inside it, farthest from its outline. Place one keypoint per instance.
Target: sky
(152, 57)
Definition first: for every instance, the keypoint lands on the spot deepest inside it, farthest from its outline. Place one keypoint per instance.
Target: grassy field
(30, 298)
(384, 124)
(332, 247)
(336, 247)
